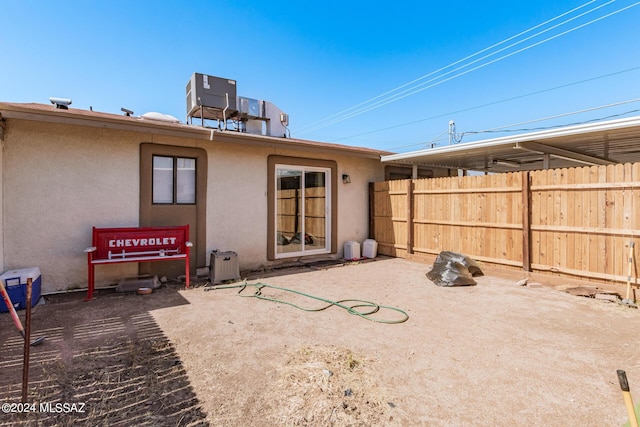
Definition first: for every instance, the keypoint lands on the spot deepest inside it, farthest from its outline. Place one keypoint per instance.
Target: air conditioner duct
(277, 120)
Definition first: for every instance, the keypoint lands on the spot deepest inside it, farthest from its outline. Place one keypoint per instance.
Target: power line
(447, 66)
(414, 90)
(558, 126)
(501, 128)
(488, 104)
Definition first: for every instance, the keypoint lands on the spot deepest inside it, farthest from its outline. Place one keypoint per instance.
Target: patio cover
(597, 143)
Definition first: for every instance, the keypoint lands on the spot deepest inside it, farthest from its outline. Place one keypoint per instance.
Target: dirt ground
(495, 354)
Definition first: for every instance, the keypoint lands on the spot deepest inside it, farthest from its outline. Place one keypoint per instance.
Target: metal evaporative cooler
(223, 266)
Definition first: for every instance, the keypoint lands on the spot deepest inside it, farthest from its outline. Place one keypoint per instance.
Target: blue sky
(317, 60)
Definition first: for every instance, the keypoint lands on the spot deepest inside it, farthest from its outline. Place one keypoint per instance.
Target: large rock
(454, 269)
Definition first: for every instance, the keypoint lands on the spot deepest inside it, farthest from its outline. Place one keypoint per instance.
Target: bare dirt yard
(495, 354)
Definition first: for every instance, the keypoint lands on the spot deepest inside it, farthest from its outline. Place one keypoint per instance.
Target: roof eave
(108, 121)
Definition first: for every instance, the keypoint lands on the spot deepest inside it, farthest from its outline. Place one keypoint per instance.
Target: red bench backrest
(139, 239)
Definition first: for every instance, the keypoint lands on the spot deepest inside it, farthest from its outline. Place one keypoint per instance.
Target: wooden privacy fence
(290, 211)
(574, 222)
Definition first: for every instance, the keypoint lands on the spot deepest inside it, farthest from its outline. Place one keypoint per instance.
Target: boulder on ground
(454, 269)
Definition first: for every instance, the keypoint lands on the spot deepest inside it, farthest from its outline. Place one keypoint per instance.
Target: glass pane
(302, 223)
(162, 179)
(288, 211)
(315, 221)
(186, 180)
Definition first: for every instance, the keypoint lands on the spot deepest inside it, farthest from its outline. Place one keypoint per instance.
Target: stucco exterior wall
(237, 201)
(61, 180)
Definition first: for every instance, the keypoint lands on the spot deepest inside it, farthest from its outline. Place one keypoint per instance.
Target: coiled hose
(355, 309)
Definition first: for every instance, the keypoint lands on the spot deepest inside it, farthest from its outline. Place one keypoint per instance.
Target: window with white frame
(174, 180)
(302, 210)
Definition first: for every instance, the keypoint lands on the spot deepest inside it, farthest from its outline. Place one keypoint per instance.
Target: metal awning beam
(562, 153)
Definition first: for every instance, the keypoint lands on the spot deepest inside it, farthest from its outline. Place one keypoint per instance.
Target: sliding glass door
(302, 211)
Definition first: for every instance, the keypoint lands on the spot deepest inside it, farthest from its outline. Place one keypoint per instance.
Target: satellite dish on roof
(160, 117)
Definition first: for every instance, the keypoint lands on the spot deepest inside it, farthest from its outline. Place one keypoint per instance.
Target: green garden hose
(351, 309)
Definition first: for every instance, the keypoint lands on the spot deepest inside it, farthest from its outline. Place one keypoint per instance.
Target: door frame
(274, 160)
(303, 213)
(147, 151)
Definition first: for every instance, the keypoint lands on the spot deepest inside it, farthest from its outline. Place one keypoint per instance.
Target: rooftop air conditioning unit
(250, 108)
(210, 97)
(277, 120)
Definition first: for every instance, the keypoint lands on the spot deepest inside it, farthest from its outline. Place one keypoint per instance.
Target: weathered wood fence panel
(390, 216)
(290, 211)
(574, 222)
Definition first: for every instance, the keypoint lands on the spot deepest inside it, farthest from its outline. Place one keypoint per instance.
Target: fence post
(410, 217)
(372, 204)
(526, 221)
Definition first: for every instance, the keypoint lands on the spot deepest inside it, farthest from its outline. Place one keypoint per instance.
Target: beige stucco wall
(237, 200)
(61, 180)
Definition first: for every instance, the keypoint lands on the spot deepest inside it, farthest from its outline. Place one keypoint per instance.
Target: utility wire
(486, 105)
(501, 128)
(445, 67)
(437, 138)
(414, 90)
(556, 126)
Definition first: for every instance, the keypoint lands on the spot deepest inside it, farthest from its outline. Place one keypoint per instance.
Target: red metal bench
(137, 244)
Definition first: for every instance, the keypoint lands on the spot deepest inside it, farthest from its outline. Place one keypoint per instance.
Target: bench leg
(90, 280)
(186, 273)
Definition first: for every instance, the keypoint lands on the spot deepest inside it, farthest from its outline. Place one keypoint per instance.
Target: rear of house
(271, 200)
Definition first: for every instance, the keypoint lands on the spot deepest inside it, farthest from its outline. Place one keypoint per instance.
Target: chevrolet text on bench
(153, 241)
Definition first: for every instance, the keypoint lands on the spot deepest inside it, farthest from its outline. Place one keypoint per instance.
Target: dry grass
(328, 386)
